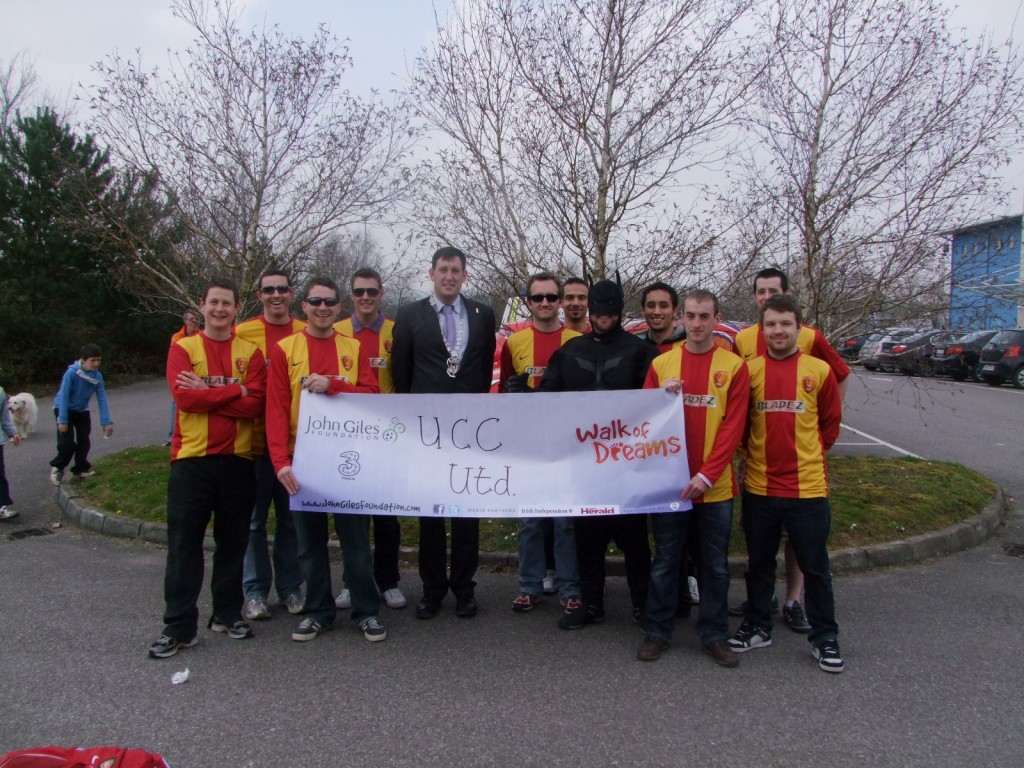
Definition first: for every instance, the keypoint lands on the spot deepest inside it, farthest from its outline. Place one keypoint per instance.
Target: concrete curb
(955, 538)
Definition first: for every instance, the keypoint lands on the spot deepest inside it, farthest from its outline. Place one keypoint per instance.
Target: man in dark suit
(444, 344)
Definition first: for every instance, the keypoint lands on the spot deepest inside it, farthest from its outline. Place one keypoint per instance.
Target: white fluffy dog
(23, 412)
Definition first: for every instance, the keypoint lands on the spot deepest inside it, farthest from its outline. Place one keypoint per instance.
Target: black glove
(518, 383)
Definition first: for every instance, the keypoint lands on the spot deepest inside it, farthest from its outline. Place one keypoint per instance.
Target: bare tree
(471, 192)
(873, 131)
(572, 125)
(253, 144)
(18, 81)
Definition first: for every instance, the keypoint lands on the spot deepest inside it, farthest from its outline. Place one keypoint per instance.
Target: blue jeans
(807, 523)
(532, 563)
(387, 538)
(257, 573)
(714, 523)
(354, 536)
(714, 526)
(663, 592)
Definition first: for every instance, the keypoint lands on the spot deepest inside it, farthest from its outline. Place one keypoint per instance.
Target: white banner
(516, 455)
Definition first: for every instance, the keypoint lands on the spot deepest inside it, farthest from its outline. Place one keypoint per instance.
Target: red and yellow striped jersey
(217, 420)
(265, 336)
(528, 351)
(375, 347)
(750, 343)
(795, 412)
(716, 390)
(291, 361)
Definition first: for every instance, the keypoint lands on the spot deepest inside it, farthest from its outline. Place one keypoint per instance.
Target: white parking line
(879, 441)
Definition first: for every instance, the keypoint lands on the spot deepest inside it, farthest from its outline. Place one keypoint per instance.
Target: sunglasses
(268, 290)
(316, 301)
(373, 293)
(537, 298)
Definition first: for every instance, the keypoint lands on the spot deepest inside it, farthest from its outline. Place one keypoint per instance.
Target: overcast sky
(64, 38)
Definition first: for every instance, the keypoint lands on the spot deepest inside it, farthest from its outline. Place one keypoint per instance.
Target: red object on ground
(72, 757)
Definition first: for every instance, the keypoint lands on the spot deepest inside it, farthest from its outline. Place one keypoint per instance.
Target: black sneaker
(796, 619)
(308, 629)
(165, 646)
(750, 636)
(577, 615)
(828, 656)
(373, 630)
(741, 609)
(237, 630)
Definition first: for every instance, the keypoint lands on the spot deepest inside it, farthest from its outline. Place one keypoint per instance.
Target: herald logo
(387, 346)
(609, 510)
(809, 383)
(241, 364)
(346, 362)
(721, 378)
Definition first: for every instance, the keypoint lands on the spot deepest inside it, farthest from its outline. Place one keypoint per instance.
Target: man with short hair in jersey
(523, 360)
(320, 360)
(607, 358)
(273, 324)
(218, 382)
(795, 412)
(574, 304)
(659, 303)
(749, 343)
(374, 332)
(715, 392)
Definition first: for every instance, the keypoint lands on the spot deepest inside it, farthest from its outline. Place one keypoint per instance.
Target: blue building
(987, 268)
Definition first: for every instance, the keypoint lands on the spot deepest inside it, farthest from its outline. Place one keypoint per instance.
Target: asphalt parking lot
(930, 651)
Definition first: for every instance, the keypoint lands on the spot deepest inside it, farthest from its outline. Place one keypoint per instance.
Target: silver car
(882, 342)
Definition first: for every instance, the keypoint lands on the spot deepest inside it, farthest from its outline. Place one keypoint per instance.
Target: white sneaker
(6, 513)
(344, 599)
(549, 583)
(394, 598)
(694, 592)
(295, 603)
(56, 475)
(255, 609)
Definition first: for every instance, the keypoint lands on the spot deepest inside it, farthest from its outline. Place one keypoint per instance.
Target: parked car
(850, 348)
(960, 357)
(880, 343)
(1001, 359)
(913, 355)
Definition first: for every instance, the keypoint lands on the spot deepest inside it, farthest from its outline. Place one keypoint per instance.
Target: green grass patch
(131, 483)
(874, 500)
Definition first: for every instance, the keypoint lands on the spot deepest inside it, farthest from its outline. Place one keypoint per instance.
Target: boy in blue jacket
(81, 380)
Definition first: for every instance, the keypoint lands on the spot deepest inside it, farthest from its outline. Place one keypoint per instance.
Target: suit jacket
(419, 356)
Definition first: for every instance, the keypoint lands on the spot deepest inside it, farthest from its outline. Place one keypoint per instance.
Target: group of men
(237, 391)
(772, 393)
